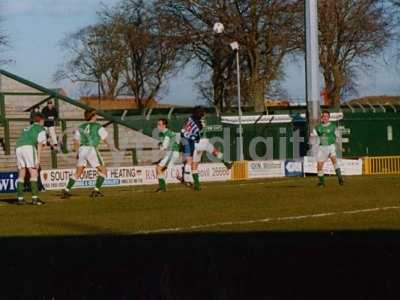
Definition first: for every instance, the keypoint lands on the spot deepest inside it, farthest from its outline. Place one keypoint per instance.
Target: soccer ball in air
(218, 28)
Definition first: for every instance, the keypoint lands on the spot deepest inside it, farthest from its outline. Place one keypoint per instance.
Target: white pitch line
(269, 220)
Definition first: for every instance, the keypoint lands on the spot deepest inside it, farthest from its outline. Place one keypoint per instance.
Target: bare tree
(150, 48)
(4, 44)
(396, 8)
(267, 31)
(351, 33)
(130, 51)
(94, 57)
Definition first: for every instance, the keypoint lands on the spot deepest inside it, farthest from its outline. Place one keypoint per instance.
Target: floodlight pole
(235, 47)
(312, 68)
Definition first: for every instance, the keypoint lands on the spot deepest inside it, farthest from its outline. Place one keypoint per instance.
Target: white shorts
(326, 152)
(89, 155)
(169, 159)
(203, 146)
(26, 157)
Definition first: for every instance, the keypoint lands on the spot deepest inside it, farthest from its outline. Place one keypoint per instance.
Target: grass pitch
(290, 204)
(268, 239)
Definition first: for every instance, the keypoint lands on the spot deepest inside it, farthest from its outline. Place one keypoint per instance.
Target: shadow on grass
(8, 201)
(286, 265)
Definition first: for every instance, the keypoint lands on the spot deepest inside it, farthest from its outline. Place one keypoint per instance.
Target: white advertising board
(266, 169)
(130, 176)
(347, 166)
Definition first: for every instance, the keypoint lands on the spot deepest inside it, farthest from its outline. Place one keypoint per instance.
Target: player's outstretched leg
(206, 145)
(220, 156)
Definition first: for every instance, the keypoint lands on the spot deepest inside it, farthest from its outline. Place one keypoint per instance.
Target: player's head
(50, 103)
(325, 117)
(90, 114)
(199, 112)
(162, 124)
(38, 118)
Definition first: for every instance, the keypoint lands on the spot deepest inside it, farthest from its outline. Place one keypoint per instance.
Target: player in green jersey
(170, 145)
(326, 132)
(29, 149)
(88, 138)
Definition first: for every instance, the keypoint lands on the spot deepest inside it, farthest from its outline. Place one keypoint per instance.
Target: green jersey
(32, 136)
(91, 134)
(170, 140)
(326, 133)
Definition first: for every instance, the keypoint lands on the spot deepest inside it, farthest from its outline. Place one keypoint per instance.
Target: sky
(36, 27)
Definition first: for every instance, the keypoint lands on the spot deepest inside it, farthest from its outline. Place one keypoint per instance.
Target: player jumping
(29, 148)
(326, 132)
(170, 145)
(88, 138)
(195, 142)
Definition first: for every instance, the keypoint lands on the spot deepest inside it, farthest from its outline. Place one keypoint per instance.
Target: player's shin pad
(99, 181)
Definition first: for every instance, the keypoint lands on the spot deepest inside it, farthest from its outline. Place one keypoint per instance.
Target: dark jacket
(51, 116)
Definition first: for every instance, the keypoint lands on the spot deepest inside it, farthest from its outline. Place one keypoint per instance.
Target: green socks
(70, 184)
(196, 181)
(34, 189)
(20, 190)
(321, 178)
(99, 182)
(162, 184)
(339, 173)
